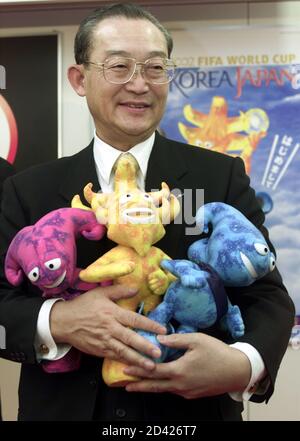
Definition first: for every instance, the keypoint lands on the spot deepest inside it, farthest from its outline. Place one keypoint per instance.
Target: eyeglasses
(120, 70)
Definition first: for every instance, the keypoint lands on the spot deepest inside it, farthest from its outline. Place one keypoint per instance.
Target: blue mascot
(234, 254)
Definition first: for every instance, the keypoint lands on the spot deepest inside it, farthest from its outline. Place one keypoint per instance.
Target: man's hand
(96, 325)
(208, 367)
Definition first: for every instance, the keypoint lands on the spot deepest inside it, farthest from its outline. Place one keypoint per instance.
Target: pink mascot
(46, 254)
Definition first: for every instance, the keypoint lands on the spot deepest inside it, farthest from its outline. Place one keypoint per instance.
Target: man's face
(125, 114)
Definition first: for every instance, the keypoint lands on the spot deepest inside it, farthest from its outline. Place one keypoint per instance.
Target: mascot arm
(107, 267)
(160, 279)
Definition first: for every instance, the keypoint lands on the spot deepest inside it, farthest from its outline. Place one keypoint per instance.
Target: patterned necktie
(126, 172)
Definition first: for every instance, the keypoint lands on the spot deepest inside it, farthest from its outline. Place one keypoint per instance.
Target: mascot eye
(34, 274)
(262, 249)
(125, 198)
(53, 264)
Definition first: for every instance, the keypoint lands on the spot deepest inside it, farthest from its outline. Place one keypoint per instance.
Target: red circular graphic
(9, 143)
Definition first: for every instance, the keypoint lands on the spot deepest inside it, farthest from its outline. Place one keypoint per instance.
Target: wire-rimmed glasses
(120, 70)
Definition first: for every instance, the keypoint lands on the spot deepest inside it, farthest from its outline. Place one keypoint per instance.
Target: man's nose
(138, 80)
(139, 69)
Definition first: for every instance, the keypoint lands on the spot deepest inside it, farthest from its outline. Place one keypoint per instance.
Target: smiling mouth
(57, 281)
(136, 106)
(248, 265)
(138, 215)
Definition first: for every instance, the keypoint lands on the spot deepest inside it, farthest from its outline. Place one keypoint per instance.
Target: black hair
(84, 37)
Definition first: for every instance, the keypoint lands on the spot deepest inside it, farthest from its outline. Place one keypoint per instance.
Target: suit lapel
(167, 165)
(81, 171)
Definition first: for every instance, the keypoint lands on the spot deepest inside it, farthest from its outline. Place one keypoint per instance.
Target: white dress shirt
(105, 157)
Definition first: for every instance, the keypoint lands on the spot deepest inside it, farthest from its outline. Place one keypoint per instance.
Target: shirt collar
(105, 156)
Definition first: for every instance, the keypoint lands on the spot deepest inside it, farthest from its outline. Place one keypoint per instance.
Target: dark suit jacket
(6, 169)
(266, 307)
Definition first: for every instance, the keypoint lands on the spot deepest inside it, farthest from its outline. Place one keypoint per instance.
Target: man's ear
(76, 78)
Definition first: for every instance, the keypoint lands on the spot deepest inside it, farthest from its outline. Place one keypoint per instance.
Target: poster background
(31, 92)
(214, 56)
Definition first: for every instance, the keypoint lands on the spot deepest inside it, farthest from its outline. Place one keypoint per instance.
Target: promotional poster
(237, 91)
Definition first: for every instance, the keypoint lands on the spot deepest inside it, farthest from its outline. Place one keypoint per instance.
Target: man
(126, 94)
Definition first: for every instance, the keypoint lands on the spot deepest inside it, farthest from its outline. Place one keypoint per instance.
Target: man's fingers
(179, 341)
(138, 321)
(126, 317)
(129, 356)
(136, 341)
(157, 386)
(162, 371)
